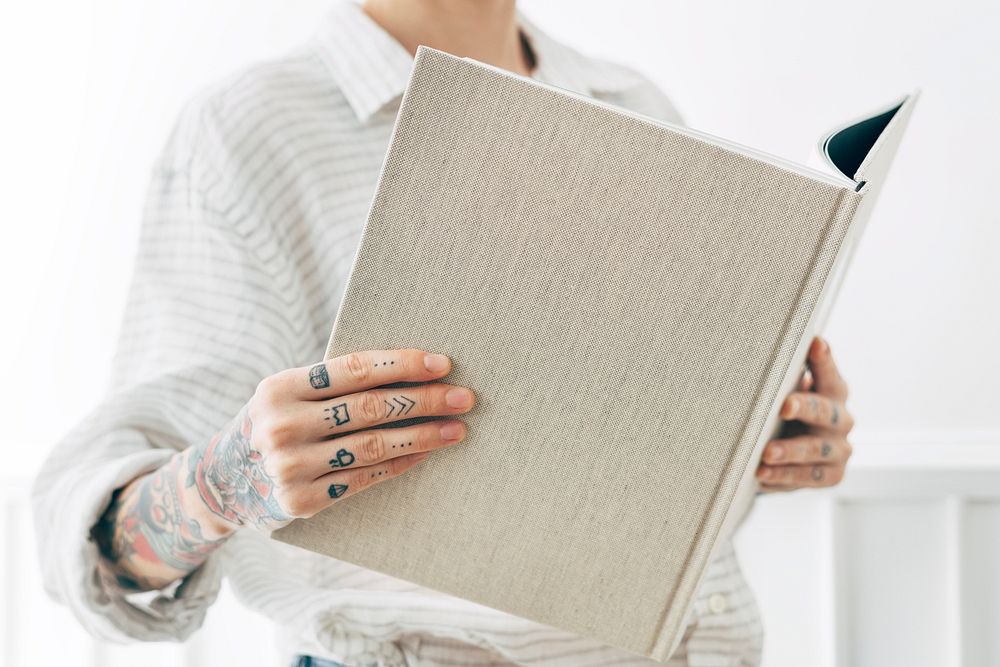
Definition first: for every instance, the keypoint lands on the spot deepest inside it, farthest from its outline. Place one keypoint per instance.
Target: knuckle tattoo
(817, 473)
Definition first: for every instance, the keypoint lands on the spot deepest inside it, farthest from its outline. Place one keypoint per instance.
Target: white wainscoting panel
(981, 583)
(899, 565)
(893, 582)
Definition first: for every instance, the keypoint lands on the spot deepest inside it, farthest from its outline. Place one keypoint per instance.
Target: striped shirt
(253, 216)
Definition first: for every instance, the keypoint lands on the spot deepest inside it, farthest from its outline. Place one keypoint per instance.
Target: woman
(253, 217)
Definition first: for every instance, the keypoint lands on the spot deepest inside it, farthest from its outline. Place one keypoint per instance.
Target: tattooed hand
(815, 449)
(303, 441)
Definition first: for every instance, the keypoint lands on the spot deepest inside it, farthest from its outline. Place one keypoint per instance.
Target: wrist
(198, 497)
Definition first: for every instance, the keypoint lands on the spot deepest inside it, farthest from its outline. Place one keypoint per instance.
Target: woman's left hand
(816, 452)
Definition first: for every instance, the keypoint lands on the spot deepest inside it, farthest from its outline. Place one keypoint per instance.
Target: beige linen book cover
(630, 300)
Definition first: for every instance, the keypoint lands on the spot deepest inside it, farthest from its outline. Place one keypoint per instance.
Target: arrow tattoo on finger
(400, 406)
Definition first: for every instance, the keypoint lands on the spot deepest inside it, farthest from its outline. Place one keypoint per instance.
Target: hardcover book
(630, 300)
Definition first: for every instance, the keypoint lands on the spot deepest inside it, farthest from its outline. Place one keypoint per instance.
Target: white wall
(92, 87)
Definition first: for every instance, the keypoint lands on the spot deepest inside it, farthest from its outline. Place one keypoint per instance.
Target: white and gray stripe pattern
(253, 216)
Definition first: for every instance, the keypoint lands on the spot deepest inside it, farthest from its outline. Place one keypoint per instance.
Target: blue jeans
(309, 661)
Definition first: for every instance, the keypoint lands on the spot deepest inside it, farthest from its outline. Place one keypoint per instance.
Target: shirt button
(717, 603)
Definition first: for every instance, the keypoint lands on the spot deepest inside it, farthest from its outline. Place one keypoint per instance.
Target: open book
(630, 300)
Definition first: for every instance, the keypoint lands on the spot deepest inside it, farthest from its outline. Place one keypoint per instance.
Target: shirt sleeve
(205, 320)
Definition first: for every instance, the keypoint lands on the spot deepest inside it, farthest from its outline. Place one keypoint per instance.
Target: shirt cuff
(67, 505)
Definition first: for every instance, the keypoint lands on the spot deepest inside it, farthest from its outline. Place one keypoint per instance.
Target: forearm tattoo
(230, 477)
(147, 537)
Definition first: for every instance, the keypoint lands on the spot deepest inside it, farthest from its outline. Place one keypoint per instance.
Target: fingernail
(764, 472)
(436, 363)
(777, 451)
(458, 397)
(451, 431)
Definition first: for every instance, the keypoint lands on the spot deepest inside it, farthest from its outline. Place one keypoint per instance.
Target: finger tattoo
(835, 416)
(337, 490)
(825, 449)
(318, 377)
(343, 459)
(813, 405)
(338, 414)
(399, 406)
(817, 473)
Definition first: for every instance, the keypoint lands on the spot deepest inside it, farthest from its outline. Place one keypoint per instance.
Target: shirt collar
(372, 68)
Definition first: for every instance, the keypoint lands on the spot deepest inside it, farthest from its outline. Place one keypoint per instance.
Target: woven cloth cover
(624, 299)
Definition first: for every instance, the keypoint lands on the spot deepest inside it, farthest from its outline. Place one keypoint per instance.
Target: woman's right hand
(305, 439)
